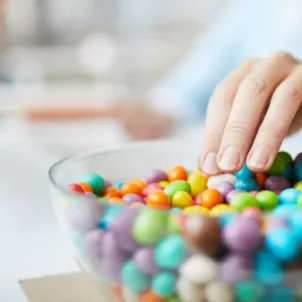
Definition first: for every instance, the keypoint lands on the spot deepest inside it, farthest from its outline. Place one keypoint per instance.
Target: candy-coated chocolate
(156, 176)
(244, 173)
(243, 200)
(221, 209)
(225, 188)
(131, 198)
(298, 170)
(145, 261)
(75, 188)
(260, 178)
(267, 200)
(289, 196)
(215, 181)
(278, 165)
(133, 188)
(177, 173)
(182, 200)
(86, 187)
(211, 198)
(246, 185)
(275, 182)
(176, 186)
(151, 188)
(95, 181)
(218, 291)
(198, 183)
(164, 284)
(196, 210)
(232, 194)
(158, 199)
(113, 192)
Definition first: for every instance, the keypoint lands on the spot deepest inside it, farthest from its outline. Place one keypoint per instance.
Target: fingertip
(208, 163)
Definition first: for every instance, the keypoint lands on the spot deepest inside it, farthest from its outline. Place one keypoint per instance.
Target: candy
(86, 187)
(244, 173)
(252, 212)
(221, 209)
(225, 188)
(289, 196)
(176, 186)
(145, 261)
(177, 173)
(75, 188)
(130, 296)
(246, 185)
(196, 210)
(232, 194)
(189, 291)
(93, 243)
(215, 181)
(113, 192)
(182, 200)
(164, 284)
(278, 165)
(218, 291)
(250, 291)
(267, 200)
(170, 252)
(243, 200)
(210, 198)
(96, 182)
(298, 185)
(276, 183)
(158, 199)
(260, 178)
(287, 158)
(133, 188)
(156, 176)
(298, 170)
(151, 188)
(131, 198)
(198, 183)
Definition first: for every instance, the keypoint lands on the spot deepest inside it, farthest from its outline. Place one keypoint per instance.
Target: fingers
(218, 111)
(249, 107)
(285, 104)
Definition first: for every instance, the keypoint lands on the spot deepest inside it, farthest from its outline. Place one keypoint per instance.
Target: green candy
(150, 226)
(96, 182)
(288, 160)
(299, 202)
(243, 200)
(173, 227)
(176, 186)
(278, 165)
(173, 299)
(267, 200)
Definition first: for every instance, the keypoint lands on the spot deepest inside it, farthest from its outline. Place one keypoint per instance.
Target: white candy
(218, 291)
(199, 269)
(130, 296)
(189, 292)
(215, 181)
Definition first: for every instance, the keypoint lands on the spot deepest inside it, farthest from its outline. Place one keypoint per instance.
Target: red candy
(75, 188)
(252, 212)
(152, 187)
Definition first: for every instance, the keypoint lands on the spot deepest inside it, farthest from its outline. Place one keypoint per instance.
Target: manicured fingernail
(229, 159)
(259, 158)
(209, 165)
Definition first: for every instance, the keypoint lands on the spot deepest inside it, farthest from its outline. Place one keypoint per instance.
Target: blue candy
(133, 278)
(288, 173)
(226, 218)
(295, 221)
(285, 210)
(118, 184)
(246, 185)
(280, 294)
(283, 243)
(298, 170)
(245, 173)
(111, 212)
(164, 284)
(289, 196)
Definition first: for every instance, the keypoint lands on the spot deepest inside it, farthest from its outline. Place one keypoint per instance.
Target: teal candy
(245, 173)
(298, 170)
(226, 218)
(133, 278)
(288, 160)
(249, 291)
(289, 196)
(164, 284)
(295, 221)
(285, 210)
(118, 184)
(283, 243)
(246, 185)
(170, 252)
(111, 213)
(288, 173)
(280, 294)
(96, 182)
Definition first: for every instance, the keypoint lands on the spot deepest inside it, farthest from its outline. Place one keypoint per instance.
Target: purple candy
(235, 268)
(93, 243)
(231, 194)
(276, 221)
(111, 269)
(110, 247)
(156, 176)
(298, 157)
(144, 260)
(122, 229)
(85, 216)
(90, 195)
(225, 188)
(132, 198)
(243, 234)
(275, 182)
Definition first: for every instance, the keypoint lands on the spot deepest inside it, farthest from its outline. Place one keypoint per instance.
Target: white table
(31, 245)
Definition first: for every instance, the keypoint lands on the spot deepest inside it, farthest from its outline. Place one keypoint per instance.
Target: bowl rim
(105, 150)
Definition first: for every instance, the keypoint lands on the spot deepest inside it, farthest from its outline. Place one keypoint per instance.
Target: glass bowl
(143, 254)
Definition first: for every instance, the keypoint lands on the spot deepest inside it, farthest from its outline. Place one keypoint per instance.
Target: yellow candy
(221, 209)
(182, 200)
(196, 210)
(298, 185)
(198, 183)
(163, 183)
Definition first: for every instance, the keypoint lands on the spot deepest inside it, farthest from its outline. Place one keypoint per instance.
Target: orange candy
(86, 187)
(260, 178)
(113, 192)
(210, 198)
(117, 291)
(138, 182)
(130, 187)
(158, 199)
(151, 296)
(115, 200)
(177, 173)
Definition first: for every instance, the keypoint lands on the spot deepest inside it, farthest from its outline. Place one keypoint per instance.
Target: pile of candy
(180, 235)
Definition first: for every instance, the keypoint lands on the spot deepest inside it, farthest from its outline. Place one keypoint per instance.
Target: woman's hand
(251, 112)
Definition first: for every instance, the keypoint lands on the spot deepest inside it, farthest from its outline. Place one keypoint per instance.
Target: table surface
(31, 245)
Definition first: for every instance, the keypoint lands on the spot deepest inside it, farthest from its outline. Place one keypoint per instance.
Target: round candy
(170, 252)
(138, 182)
(288, 173)
(278, 165)
(151, 296)
(93, 243)
(232, 194)
(90, 195)
(249, 291)
(177, 173)
(113, 192)
(226, 218)
(246, 185)
(164, 184)
(298, 170)
(145, 261)
(196, 210)
(289, 196)
(243, 234)
(164, 284)
(133, 278)
(198, 183)
(199, 269)
(115, 200)
(260, 178)
(189, 291)
(96, 182)
(243, 200)
(118, 184)
(156, 176)
(110, 247)
(75, 188)
(298, 185)
(203, 233)
(221, 209)
(295, 221)
(131, 188)
(210, 198)
(158, 199)
(252, 212)
(287, 158)
(218, 291)
(110, 269)
(176, 186)
(182, 200)
(244, 173)
(131, 198)
(267, 200)
(151, 188)
(276, 183)
(283, 243)
(215, 181)
(285, 210)
(150, 226)
(225, 188)
(174, 226)
(86, 187)
(235, 267)
(108, 184)
(298, 158)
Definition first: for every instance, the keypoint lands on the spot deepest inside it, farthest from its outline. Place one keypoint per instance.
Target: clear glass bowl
(170, 259)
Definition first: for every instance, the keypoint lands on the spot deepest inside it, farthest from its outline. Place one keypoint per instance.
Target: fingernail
(229, 159)
(210, 164)
(259, 158)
